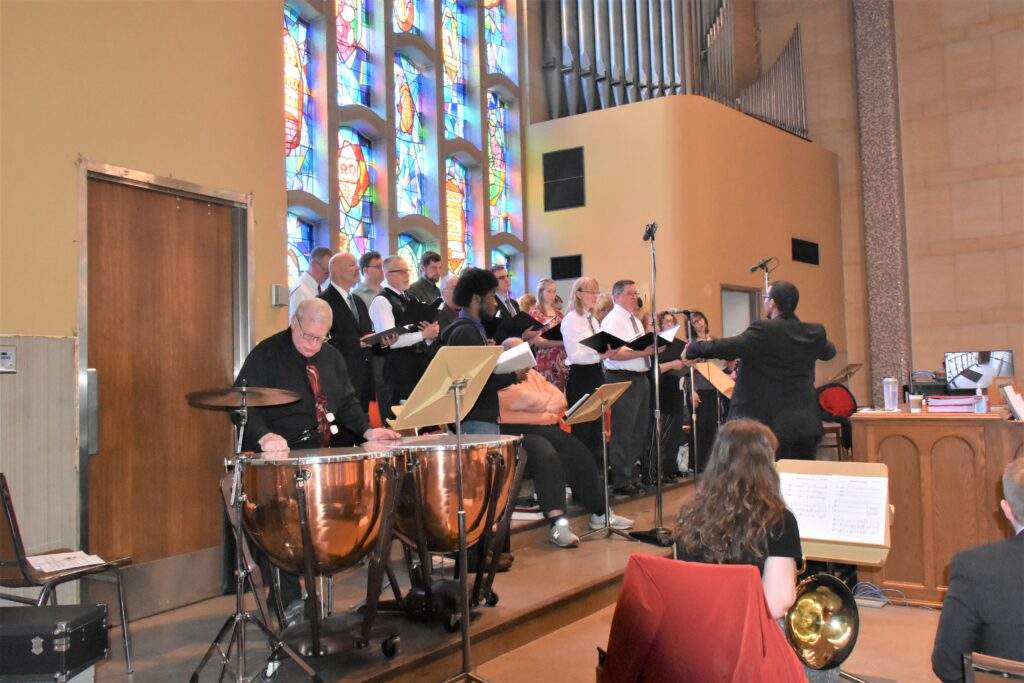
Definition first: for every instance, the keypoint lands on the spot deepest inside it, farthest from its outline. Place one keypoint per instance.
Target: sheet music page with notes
(833, 507)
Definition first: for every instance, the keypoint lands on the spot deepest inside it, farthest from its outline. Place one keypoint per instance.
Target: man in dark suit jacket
(984, 606)
(775, 384)
(351, 322)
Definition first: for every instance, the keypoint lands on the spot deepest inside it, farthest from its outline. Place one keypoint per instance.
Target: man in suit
(351, 322)
(507, 306)
(448, 311)
(775, 384)
(984, 606)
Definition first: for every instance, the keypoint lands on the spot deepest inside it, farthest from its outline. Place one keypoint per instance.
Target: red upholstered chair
(684, 621)
(837, 404)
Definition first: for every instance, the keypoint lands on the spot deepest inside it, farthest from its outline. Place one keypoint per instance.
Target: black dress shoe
(629, 489)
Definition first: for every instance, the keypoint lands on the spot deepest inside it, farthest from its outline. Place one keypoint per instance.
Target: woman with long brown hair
(738, 516)
(550, 354)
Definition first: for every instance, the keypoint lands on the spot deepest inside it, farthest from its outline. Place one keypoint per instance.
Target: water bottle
(980, 401)
(891, 393)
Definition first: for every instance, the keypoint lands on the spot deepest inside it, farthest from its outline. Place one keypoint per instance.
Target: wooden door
(159, 326)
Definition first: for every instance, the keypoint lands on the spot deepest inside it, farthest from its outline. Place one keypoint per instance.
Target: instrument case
(52, 642)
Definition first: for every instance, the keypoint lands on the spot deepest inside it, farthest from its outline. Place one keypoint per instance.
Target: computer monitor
(973, 369)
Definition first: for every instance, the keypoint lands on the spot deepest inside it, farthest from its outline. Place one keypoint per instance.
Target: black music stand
(592, 409)
(459, 372)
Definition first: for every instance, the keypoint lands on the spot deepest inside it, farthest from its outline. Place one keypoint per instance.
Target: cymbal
(231, 397)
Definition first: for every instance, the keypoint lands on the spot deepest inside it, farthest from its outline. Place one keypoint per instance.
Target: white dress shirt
(383, 317)
(625, 326)
(576, 328)
(305, 288)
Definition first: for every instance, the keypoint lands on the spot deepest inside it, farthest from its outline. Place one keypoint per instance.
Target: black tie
(319, 289)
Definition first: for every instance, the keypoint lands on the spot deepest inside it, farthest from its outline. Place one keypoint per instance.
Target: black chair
(981, 668)
(17, 572)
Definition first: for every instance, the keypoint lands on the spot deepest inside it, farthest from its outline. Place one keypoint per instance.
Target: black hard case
(57, 643)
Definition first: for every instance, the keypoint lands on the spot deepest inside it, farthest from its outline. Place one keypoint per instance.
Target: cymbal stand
(457, 387)
(233, 630)
(659, 535)
(607, 529)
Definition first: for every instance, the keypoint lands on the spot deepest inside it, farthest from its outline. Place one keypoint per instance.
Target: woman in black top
(738, 516)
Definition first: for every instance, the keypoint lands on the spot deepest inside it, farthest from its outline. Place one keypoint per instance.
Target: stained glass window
(454, 30)
(499, 187)
(299, 106)
(357, 191)
(496, 28)
(300, 244)
(411, 249)
(352, 33)
(406, 16)
(459, 228)
(410, 139)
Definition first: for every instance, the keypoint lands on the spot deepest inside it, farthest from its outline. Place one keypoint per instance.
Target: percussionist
(299, 360)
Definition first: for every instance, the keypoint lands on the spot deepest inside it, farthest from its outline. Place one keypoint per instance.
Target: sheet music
(832, 507)
(60, 561)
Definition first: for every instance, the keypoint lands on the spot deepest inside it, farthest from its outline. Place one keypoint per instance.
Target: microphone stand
(693, 391)
(659, 535)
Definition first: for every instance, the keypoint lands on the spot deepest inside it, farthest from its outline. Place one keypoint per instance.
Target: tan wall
(182, 89)
(827, 42)
(725, 189)
(961, 78)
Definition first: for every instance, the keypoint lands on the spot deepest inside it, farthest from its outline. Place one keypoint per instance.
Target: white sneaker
(615, 522)
(561, 535)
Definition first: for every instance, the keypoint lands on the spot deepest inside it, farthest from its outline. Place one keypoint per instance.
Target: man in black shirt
(475, 295)
(775, 384)
(290, 360)
(299, 360)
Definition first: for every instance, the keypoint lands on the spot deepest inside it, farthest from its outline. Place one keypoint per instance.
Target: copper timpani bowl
(430, 462)
(345, 497)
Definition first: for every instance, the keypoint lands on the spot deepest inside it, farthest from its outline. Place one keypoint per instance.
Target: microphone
(649, 231)
(762, 264)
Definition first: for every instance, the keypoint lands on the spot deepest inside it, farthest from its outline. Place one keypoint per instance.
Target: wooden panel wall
(944, 481)
(39, 441)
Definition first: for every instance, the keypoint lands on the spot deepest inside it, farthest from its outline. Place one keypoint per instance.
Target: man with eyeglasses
(371, 267)
(407, 357)
(508, 307)
(631, 412)
(299, 359)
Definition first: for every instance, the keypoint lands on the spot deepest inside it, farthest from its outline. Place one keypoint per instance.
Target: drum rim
(468, 441)
(320, 456)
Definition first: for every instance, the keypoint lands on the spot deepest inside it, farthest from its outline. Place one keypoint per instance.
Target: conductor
(775, 384)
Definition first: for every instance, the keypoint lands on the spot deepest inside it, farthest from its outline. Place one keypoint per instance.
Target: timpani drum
(428, 492)
(345, 493)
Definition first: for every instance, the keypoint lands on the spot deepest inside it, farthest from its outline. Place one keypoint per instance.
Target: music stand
(593, 408)
(461, 372)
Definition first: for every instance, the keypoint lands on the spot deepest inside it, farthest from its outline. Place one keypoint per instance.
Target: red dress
(551, 362)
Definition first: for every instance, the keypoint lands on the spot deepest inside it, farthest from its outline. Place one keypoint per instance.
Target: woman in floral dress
(550, 354)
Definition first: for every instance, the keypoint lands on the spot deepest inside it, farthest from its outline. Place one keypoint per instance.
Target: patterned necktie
(351, 305)
(636, 329)
(322, 424)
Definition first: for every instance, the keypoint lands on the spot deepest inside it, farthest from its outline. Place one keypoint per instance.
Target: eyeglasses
(376, 267)
(312, 338)
(588, 291)
(399, 270)
(504, 277)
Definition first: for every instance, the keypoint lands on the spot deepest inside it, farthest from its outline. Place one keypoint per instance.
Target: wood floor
(555, 608)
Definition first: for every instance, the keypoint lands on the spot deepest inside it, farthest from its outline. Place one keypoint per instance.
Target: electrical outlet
(8, 359)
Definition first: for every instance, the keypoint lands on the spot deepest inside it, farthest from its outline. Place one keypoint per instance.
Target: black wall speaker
(563, 179)
(805, 252)
(566, 267)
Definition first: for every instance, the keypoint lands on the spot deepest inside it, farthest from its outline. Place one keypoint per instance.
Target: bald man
(351, 321)
(299, 359)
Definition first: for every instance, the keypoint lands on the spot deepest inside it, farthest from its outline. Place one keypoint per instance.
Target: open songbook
(842, 508)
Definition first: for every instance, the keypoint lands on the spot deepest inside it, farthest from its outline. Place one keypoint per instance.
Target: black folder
(643, 341)
(516, 325)
(602, 341)
(554, 333)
